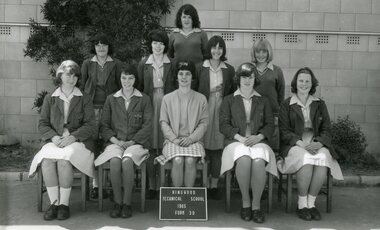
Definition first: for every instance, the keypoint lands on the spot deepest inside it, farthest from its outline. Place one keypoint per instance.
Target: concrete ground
(353, 208)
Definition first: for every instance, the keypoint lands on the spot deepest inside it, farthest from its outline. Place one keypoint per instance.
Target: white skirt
(136, 152)
(298, 157)
(235, 150)
(76, 153)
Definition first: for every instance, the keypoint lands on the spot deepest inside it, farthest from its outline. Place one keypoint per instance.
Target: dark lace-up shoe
(63, 212)
(246, 213)
(51, 213)
(116, 211)
(304, 213)
(315, 215)
(126, 211)
(258, 216)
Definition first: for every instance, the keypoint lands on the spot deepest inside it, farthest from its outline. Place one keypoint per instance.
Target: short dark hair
(102, 39)
(67, 66)
(246, 70)
(187, 9)
(130, 69)
(314, 81)
(158, 36)
(215, 40)
(184, 65)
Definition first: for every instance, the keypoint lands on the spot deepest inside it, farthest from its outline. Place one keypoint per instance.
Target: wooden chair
(327, 189)
(41, 189)
(228, 176)
(200, 167)
(102, 171)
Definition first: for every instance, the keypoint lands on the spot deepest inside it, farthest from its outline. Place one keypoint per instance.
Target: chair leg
(143, 186)
(228, 191)
(100, 188)
(329, 192)
(83, 191)
(162, 175)
(39, 189)
(279, 191)
(270, 192)
(289, 186)
(204, 175)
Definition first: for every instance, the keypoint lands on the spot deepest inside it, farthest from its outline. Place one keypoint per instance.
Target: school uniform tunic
(64, 116)
(246, 116)
(156, 81)
(126, 119)
(309, 122)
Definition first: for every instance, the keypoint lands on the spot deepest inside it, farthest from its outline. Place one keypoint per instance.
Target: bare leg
(177, 171)
(317, 180)
(243, 176)
(128, 175)
(190, 171)
(65, 173)
(49, 172)
(304, 179)
(115, 168)
(258, 179)
(65, 177)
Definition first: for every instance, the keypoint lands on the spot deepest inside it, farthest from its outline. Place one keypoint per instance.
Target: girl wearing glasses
(246, 121)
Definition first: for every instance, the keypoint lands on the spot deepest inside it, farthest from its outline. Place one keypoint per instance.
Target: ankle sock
(64, 196)
(311, 201)
(53, 194)
(302, 202)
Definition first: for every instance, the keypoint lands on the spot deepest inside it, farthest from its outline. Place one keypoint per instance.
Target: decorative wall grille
(256, 36)
(291, 38)
(353, 40)
(5, 30)
(322, 39)
(228, 36)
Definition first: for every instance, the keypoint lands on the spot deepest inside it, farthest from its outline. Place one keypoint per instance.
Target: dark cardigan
(291, 123)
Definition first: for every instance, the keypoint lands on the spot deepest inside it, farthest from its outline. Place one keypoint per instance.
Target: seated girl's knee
(63, 163)
(177, 161)
(115, 162)
(190, 160)
(127, 161)
(47, 162)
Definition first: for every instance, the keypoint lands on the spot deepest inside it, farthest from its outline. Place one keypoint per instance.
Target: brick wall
(347, 63)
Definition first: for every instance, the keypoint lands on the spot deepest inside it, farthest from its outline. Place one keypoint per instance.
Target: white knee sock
(311, 201)
(64, 196)
(53, 194)
(302, 202)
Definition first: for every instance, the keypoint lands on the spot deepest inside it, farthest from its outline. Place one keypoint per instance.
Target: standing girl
(101, 77)
(188, 41)
(155, 77)
(215, 82)
(272, 83)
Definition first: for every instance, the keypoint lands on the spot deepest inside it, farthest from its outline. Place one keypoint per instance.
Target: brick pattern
(347, 66)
